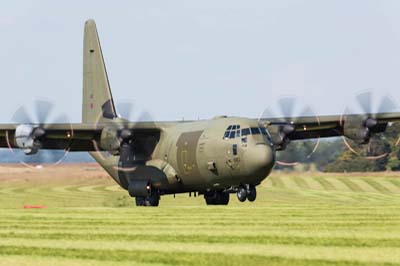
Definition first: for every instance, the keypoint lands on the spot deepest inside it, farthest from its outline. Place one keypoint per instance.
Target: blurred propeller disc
(123, 124)
(377, 146)
(285, 112)
(34, 117)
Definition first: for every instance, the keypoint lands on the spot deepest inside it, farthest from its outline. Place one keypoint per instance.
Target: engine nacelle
(360, 129)
(110, 140)
(24, 138)
(279, 134)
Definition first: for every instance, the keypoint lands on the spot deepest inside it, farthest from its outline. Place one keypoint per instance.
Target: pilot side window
(265, 132)
(245, 131)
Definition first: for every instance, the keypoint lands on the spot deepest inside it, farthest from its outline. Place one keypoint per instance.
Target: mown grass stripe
(173, 258)
(324, 183)
(300, 182)
(350, 184)
(276, 182)
(376, 185)
(263, 239)
(395, 182)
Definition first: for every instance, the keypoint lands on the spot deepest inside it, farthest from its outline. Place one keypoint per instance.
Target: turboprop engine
(28, 138)
(360, 129)
(279, 134)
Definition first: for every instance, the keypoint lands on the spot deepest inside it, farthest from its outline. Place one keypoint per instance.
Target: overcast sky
(197, 59)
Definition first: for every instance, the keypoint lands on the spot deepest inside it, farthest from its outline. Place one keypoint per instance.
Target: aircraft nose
(260, 157)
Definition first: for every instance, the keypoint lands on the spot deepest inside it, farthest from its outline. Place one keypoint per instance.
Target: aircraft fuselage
(198, 156)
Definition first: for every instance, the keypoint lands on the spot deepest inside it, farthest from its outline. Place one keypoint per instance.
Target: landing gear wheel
(216, 198)
(252, 195)
(151, 200)
(140, 201)
(241, 194)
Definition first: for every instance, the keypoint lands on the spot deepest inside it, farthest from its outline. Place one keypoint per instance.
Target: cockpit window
(233, 131)
(238, 131)
(255, 131)
(245, 131)
(226, 135)
(265, 132)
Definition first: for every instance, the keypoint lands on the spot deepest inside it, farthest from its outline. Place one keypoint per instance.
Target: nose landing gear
(248, 192)
(242, 194)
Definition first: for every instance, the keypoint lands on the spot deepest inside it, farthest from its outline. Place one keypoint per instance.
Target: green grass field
(298, 219)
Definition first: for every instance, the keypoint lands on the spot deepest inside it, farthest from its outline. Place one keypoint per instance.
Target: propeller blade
(55, 156)
(365, 102)
(61, 119)
(125, 110)
(21, 116)
(387, 105)
(286, 106)
(43, 110)
(267, 114)
(145, 117)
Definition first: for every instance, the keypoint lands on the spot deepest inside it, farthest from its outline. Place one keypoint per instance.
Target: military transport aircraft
(213, 158)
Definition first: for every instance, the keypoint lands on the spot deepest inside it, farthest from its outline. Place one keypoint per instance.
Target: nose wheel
(248, 192)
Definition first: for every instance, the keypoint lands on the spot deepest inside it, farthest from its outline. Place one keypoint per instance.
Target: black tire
(223, 198)
(152, 200)
(241, 194)
(252, 194)
(209, 201)
(140, 201)
(217, 198)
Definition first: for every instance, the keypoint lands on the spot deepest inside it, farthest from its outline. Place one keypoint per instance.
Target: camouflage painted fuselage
(195, 156)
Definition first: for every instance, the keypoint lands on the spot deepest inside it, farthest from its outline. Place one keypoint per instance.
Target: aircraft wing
(358, 127)
(74, 137)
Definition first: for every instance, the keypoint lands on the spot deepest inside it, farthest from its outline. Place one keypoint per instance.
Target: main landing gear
(144, 193)
(216, 197)
(248, 192)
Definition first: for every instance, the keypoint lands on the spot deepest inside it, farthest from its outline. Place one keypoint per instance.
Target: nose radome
(260, 157)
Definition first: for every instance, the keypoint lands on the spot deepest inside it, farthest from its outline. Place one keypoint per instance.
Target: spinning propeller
(31, 133)
(365, 129)
(281, 126)
(120, 139)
